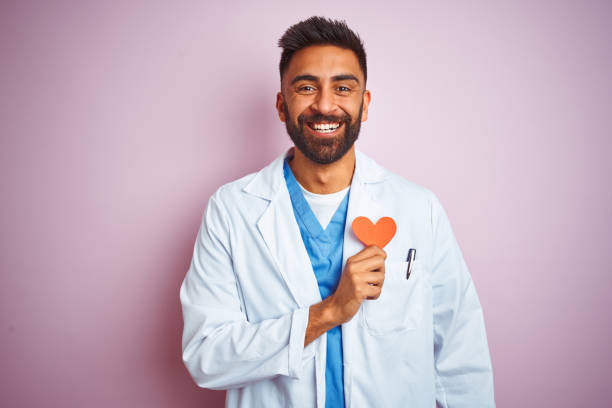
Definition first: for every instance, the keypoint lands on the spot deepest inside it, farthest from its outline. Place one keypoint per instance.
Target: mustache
(318, 117)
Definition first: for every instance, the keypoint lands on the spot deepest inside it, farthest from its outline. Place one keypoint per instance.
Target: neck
(323, 178)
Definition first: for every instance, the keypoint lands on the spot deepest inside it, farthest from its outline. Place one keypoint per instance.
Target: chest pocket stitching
(400, 305)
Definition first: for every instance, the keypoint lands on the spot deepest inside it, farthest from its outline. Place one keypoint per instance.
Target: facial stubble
(323, 150)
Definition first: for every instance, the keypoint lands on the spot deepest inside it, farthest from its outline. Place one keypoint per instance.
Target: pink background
(120, 118)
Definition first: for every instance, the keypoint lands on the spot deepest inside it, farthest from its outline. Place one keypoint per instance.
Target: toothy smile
(324, 127)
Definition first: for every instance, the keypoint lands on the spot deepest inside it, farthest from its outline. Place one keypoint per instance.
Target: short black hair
(320, 31)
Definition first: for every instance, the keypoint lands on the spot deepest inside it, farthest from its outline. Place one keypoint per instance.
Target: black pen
(410, 259)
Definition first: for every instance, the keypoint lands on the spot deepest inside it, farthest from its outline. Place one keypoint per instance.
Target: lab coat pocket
(400, 305)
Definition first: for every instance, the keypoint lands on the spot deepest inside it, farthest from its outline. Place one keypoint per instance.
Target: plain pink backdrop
(120, 118)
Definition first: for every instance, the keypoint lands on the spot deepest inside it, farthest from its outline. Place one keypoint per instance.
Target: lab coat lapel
(363, 201)
(280, 230)
(281, 233)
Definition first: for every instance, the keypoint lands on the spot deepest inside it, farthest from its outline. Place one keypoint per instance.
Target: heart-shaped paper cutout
(370, 234)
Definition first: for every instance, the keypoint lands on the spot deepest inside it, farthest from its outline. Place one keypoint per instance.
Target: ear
(279, 107)
(367, 96)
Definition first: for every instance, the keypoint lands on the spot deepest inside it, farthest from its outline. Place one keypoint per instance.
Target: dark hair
(320, 31)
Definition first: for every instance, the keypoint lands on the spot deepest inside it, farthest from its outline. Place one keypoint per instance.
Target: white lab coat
(246, 295)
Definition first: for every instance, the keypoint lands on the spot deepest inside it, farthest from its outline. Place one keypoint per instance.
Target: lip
(327, 134)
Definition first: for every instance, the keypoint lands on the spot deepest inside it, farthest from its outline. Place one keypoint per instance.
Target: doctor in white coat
(255, 323)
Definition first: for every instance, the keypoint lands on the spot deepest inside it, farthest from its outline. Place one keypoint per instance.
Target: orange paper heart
(370, 234)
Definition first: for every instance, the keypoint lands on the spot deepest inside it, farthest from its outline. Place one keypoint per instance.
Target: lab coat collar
(269, 180)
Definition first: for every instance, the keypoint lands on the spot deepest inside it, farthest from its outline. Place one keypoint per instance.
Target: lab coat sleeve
(221, 349)
(464, 376)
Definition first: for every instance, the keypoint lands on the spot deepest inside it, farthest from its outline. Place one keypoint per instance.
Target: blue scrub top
(324, 248)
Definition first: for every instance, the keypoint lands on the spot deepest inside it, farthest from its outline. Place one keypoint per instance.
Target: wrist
(331, 312)
(322, 317)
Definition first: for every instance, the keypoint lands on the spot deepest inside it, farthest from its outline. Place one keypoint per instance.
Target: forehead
(323, 61)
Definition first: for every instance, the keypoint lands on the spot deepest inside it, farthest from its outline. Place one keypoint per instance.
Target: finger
(372, 278)
(364, 257)
(372, 292)
(367, 252)
(375, 263)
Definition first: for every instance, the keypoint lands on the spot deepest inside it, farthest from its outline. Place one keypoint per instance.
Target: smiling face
(323, 101)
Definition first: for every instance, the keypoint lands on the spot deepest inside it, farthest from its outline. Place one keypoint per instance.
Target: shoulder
(408, 188)
(232, 193)
(413, 197)
(396, 185)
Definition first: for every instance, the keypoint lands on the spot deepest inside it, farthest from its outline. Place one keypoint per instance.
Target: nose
(324, 102)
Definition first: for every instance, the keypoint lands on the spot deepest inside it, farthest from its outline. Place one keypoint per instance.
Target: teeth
(329, 127)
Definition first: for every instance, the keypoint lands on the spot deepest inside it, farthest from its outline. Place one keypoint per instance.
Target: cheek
(358, 108)
(293, 114)
(298, 105)
(354, 115)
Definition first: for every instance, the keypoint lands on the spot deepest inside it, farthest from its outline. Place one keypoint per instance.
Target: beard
(323, 150)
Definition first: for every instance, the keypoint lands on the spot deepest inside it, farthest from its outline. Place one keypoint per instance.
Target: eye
(343, 89)
(306, 89)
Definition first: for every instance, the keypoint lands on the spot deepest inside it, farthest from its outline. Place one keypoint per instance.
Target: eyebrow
(335, 78)
(306, 77)
(345, 77)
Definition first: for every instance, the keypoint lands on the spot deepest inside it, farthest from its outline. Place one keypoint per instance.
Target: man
(285, 307)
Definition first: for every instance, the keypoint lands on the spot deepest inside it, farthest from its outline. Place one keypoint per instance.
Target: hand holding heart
(363, 277)
(364, 272)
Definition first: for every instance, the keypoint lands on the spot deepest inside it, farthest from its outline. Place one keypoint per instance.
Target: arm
(464, 376)
(362, 278)
(321, 318)
(221, 349)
